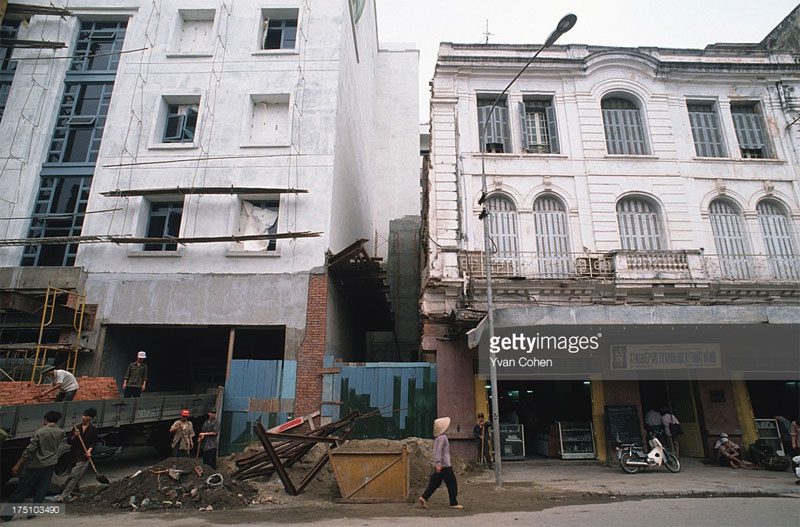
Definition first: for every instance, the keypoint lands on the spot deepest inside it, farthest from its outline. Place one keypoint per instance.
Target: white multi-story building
(207, 121)
(625, 186)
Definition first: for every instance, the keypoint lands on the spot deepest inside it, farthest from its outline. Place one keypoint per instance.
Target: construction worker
(39, 459)
(135, 380)
(88, 432)
(63, 381)
(208, 439)
(182, 432)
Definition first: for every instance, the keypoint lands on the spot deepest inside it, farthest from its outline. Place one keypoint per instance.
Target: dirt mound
(151, 489)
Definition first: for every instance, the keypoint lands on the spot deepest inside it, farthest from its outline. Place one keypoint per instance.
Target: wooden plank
(276, 462)
(231, 340)
(185, 191)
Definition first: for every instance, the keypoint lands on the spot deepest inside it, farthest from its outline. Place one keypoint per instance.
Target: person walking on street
(39, 459)
(88, 432)
(135, 380)
(182, 432)
(443, 471)
(207, 441)
(63, 381)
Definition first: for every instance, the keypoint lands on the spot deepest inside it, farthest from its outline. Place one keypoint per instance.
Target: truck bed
(21, 421)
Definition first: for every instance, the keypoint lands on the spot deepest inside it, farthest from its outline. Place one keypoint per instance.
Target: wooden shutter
(623, 127)
(639, 225)
(552, 238)
(497, 127)
(523, 125)
(550, 112)
(727, 228)
(503, 232)
(705, 131)
(778, 238)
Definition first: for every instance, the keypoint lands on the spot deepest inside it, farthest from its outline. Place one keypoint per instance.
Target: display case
(576, 440)
(512, 442)
(769, 432)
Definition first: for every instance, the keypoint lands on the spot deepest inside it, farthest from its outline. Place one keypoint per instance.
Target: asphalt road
(694, 512)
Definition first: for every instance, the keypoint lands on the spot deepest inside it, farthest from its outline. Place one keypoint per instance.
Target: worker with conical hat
(443, 471)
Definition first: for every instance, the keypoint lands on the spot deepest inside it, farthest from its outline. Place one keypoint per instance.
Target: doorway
(679, 397)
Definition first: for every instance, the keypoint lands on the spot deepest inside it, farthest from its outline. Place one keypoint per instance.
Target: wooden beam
(19, 43)
(186, 191)
(29, 10)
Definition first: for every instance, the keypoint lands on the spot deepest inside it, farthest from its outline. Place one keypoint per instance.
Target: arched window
(622, 122)
(503, 234)
(728, 230)
(552, 237)
(639, 225)
(778, 237)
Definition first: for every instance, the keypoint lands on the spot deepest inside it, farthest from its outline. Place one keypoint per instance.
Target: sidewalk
(693, 479)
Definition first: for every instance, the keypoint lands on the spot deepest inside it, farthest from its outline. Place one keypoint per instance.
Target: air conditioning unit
(592, 266)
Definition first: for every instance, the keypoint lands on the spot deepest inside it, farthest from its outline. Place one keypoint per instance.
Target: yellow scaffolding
(18, 356)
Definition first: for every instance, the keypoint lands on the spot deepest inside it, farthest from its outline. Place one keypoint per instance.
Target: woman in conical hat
(443, 471)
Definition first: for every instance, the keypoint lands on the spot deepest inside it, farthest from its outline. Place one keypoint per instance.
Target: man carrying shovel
(81, 453)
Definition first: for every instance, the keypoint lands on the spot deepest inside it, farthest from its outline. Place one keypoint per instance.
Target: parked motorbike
(796, 468)
(632, 457)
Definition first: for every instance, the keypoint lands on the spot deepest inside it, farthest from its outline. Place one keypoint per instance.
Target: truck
(120, 422)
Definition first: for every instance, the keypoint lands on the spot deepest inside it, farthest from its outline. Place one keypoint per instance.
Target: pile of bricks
(97, 388)
(91, 388)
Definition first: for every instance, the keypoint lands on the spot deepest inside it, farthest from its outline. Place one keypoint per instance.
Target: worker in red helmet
(182, 435)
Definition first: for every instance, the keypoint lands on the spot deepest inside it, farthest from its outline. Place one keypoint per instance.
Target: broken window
(279, 28)
(98, 46)
(705, 130)
(181, 123)
(538, 125)
(496, 138)
(80, 123)
(164, 222)
(259, 217)
(750, 131)
(622, 122)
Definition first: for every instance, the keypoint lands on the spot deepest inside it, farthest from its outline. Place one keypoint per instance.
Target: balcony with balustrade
(636, 267)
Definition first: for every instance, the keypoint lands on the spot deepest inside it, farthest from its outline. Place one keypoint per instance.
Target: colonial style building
(207, 175)
(645, 186)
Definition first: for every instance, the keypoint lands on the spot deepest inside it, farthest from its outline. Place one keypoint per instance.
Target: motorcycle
(796, 468)
(632, 457)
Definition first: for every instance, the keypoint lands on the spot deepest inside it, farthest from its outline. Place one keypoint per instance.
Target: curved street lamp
(564, 25)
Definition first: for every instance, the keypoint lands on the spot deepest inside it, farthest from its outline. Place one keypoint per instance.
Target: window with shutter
(750, 131)
(538, 125)
(728, 230)
(497, 134)
(552, 238)
(503, 233)
(639, 225)
(779, 240)
(705, 130)
(622, 122)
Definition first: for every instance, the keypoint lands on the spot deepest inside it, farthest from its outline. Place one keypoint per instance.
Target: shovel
(100, 478)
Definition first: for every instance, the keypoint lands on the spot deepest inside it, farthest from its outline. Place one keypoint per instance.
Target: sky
(661, 23)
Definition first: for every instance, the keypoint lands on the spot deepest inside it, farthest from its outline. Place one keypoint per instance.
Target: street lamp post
(564, 25)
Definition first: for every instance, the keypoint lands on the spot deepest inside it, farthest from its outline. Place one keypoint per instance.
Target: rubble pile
(172, 484)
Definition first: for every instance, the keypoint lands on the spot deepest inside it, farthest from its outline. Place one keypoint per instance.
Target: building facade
(262, 136)
(644, 186)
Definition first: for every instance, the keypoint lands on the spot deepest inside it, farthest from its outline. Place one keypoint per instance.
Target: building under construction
(210, 182)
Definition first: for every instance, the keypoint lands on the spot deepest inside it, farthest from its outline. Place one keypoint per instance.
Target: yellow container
(371, 477)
